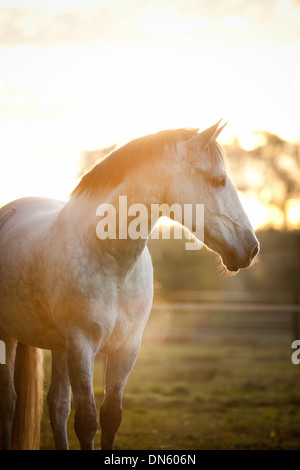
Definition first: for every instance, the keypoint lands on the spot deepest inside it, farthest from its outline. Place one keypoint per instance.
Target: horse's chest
(126, 319)
(134, 290)
(128, 312)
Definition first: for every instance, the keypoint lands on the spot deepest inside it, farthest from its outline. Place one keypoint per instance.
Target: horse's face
(203, 180)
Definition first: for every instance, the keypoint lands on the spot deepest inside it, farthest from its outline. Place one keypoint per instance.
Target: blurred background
(78, 77)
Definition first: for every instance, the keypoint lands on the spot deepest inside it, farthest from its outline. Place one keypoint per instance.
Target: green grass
(229, 389)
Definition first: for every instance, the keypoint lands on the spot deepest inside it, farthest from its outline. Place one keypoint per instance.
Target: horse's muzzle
(234, 261)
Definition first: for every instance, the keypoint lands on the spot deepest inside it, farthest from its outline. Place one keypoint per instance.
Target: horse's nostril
(254, 251)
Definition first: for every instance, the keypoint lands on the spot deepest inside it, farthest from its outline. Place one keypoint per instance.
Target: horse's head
(202, 179)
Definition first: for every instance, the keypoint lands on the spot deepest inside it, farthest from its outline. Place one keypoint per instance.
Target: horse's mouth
(231, 257)
(228, 258)
(233, 263)
(232, 267)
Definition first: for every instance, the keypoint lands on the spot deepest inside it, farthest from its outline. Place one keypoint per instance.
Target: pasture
(205, 380)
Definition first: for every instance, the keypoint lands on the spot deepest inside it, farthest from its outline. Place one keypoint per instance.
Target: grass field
(206, 381)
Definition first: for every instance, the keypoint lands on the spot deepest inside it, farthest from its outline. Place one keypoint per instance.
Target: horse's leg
(7, 391)
(118, 368)
(80, 357)
(59, 399)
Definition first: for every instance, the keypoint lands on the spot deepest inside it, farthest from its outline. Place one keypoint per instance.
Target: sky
(80, 75)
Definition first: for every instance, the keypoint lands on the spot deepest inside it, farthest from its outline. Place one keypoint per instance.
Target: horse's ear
(219, 131)
(207, 136)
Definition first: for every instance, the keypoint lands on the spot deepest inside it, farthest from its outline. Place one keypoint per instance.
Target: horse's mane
(112, 170)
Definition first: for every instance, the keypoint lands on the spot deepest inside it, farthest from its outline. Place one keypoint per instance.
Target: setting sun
(63, 97)
(260, 214)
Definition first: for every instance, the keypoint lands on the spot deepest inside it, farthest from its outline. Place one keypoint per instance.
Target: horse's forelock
(217, 157)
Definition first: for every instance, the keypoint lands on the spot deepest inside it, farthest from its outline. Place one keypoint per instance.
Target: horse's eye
(218, 181)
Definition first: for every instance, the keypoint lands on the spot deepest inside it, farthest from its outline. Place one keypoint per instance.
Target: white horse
(63, 289)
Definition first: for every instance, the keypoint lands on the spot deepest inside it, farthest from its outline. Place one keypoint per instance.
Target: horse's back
(26, 212)
(24, 225)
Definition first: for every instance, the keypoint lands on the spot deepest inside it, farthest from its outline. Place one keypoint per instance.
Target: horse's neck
(81, 213)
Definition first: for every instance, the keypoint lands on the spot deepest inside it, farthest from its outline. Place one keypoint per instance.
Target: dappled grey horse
(65, 289)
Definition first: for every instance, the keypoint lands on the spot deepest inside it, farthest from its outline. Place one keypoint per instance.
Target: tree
(271, 170)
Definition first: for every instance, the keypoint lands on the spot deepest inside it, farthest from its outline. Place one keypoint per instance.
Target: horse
(64, 289)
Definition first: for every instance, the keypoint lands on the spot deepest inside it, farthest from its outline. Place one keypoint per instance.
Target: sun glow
(293, 213)
(60, 98)
(261, 215)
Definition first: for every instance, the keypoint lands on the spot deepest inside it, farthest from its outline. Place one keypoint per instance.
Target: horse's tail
(29, 381)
